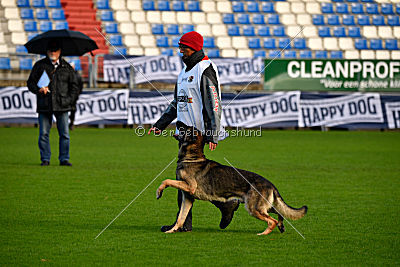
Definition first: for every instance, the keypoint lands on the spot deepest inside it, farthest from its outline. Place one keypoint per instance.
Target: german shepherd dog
(204, 179)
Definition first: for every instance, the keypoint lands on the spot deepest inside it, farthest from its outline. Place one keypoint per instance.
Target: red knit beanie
(192, 39)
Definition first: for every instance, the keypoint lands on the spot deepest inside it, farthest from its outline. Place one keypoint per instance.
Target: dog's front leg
(182, 185)
(185, 208)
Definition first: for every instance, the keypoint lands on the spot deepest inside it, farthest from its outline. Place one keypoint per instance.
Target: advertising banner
(393, 114)
(17, 102)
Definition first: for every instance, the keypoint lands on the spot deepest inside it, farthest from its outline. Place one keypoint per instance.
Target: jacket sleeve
(209, 88)
(169, 114)
(34, 78)
(73, 86)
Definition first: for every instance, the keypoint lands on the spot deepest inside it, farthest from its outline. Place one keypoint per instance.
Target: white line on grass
(264, 198)
(135, 198)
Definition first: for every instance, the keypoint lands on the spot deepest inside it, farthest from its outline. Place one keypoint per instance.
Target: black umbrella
(73, 43)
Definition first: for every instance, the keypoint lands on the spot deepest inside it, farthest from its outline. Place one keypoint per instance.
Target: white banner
(104, 105)
(393, 114)
(17, 102)
(239, 70)
(354, 108)
(252, 112)
(147, 110)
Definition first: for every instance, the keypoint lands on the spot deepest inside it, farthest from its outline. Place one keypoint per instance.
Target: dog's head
(190, 139)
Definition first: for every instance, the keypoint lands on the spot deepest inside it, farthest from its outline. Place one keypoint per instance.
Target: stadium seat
(253, 7)
(258, 19)
(54, 3)
(338, 1)
(299, 43)
(209, 42)
(367, 1)
(107, 15)
(318, 20)
(243, 19)
(116, 40)
(393, 20)
(46, 26)
(58, 14)
(167, 51)
(372, 8)
(346, 44)
(254, 43)
(378, 20)
(178, 6)
(173, 29)
(30, 26)
(333, 20)
(249, 31)
(327, 8)
(103, 4)
(120, 50)
(324, 31)
(149, 5)
(267, 7)
(342, 8)
(38, 3)
(387, 9)
(233, 30)
(337, 54)
(23, 3)
(398, 8)
(5, 63)
(77, 63)
(42, 14)
(354, 32)
(162, 41)
(321, 54)
(263, 31)
(26, 13)
(348, 20)
(25, 63)
(187, 28)
(21, 49)
(61, 25)
(228, 19)
(273, 19)
(363, 20)
(360, 44)
(175, 41)
(32, 35)
(213, 53)
(157, 29)
(279, 31)
(194, 6)
(274, 54)
(269, 43)
(284, 43)
(305, 54)
(339, 32)
(357, 8)
(290, 54)
(163, 6)
(111, 27)
(259, 53)
(238, 7)
(376, 44)
(391, 44)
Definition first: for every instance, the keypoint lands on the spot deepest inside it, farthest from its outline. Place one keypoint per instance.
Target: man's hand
(44, 90)
(155, 130)
(212, 146)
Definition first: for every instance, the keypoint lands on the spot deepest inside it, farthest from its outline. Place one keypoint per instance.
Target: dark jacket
(211, 117)
(63, 86)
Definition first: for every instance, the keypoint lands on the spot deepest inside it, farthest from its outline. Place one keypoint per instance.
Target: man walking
(56, 99)
(197, 103)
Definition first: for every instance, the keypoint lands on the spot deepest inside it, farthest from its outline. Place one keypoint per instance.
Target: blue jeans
(45, 122)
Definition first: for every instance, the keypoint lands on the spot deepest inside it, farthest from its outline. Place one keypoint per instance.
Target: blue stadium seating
(327, 8)
(391, 44)
(299, 43)
(354, 32)
(46, 26)
(116, 39)
(111, 27)
(249, 31)
(367, 1)
(274, 54)
(61, 25)
(228, 19)
(398, 8)
(258, 19)
(178, 6)
(259, 53)
(77, 63)
(54, 3)
(363, 20)
(253, 7)
(267, 7)
(23, 3)
(337, 0)
(254, 43)
(32, 35)
(333, 20)
(175, 41)
(375, 44)
(38, 3)
(209, 42)
(324, 31)
(342, 8)
(387, 9)
(25, 63)
(279, 31)
(21, 49)
(321, 54)
(360, 44)
(348, 20)
(273, 19)
(284, 43)
(42, 14)
(5, 63)
(173, 29)
(187, 28)
(167, 52)
(305, 54)
(264, 31)
(337, 54)
(233, 30)
(58, 14)
(103, 4)
(238, 7)
(30, 26)
(162, 41)
(339, 32)
(269, 43)
(26, 13)
(243, 19)
(194, 6)
(357, 8)
(163, 6)
(372, 8)
(148, 5)
(213, 53)
(378, 20)
(290, 54)
(107, 15)
(318, 20)
(157, 29)
(121, 50)
(352, 1)
(393, 20)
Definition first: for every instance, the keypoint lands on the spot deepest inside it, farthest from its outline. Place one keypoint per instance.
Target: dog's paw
(159, 193)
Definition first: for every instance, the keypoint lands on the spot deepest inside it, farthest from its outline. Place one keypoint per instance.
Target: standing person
(80, 86)
(197, 103)
(55, 99)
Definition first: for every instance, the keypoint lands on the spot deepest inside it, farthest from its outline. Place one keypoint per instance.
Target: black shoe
(227, 213)
(166, 228)
(65, 163)
(45, 163)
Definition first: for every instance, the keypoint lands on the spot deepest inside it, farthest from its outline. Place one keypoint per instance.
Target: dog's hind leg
(271, 222)
(281, 227)
(186, 205)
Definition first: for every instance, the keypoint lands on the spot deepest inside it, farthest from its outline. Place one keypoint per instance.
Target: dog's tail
(286, 210)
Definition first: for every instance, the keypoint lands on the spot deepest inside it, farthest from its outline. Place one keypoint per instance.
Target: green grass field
(51, 215)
